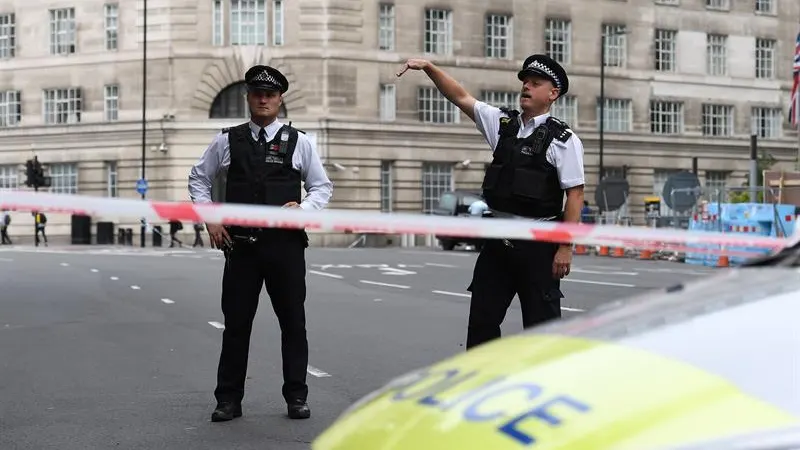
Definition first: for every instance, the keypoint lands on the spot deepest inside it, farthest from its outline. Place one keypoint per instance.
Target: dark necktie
(262, 137)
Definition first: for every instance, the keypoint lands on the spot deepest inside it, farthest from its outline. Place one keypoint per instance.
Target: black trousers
(501, 271)
(276, 260)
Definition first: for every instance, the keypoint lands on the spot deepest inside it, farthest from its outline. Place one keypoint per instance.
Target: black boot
(226, 411)
(298, 409)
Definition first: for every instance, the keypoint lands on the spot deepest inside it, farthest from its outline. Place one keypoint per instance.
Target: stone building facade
(683, 79)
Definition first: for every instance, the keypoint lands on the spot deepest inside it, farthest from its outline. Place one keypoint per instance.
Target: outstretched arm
(446, 84)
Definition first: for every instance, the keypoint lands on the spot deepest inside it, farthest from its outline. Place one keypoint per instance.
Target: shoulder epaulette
(225, 130)
(560, 129)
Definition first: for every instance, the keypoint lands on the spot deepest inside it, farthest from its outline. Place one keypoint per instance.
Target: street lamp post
(144, 114)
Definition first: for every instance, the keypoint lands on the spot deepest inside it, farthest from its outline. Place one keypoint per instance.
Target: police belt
(493, 214)
(505, 215)
(250, 235)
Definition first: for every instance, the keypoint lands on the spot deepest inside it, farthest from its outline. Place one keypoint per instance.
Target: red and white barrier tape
(332, 220)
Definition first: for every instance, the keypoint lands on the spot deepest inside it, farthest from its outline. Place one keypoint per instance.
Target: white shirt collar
(537, 120)
(271, 129)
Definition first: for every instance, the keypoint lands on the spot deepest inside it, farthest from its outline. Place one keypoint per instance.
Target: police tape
(348, 221)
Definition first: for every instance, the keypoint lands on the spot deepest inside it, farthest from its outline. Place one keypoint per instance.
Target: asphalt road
(118, 347)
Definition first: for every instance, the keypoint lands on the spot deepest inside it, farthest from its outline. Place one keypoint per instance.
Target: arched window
(231, 103)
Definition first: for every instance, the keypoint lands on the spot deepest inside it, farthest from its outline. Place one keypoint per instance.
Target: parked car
(456, 203)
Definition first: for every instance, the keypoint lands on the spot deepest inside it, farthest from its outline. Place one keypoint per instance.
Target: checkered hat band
(266, 78)
(536, 65)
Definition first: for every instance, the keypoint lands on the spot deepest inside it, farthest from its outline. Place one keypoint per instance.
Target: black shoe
(298, 409)
(226, 411)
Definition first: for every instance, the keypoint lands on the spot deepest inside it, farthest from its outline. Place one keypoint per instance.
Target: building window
(437, 178)
(767, 122)
(765, 6)
(386, 27)
(111, 179)
(111, 102)
(765, 58)
(112, 25)
(717, 120)
(616, 45)
(566, 109)
(10, 108)
(8, 44)
(388, 102)
(62, 31)
(231, 103)
(438, 31)
(217, 24)
(718, 4)
(558, 40)
(387, 188)
(715, 183)
(277, 22)
(617, 116)
(665, 47)
(9, 177)
(498, 36)
(248, 22)
(62, 106)
(433, 107)
(666, 117)
(64, 178)
(717, 54)
(501, 99)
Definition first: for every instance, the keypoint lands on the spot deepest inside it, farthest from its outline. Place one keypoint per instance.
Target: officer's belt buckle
(245, 239)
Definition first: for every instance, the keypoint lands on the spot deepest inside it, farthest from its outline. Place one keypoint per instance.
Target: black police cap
(545, 66)
(266, 77)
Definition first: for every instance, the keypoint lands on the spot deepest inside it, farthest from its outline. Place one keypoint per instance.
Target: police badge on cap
(267, 78)
(545, 66)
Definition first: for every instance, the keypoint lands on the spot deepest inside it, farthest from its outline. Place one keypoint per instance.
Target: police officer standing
(262, 162)
(537, 160)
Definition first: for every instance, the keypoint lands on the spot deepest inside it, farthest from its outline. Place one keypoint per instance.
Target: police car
(710, 364)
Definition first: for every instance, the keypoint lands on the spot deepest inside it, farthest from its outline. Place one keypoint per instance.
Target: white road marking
(316, 372)
(217, 325)
(6, 260)
(601, 283)
(572, 309)
(167, 301)
(601, 272)
(135, 288)
(94, 270)
(115, 278)
(64, 264)
(326, 274)
(377, 283)
(434, 252)
(441, 265)
(377, 300)
(454, 294)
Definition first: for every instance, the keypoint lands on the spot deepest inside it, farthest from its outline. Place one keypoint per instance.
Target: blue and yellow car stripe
(551, 392)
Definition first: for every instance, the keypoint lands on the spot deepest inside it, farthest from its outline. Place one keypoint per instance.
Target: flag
(794, 107)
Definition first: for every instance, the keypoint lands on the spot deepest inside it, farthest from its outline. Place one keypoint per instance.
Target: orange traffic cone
(619, 252)
(646, 254)
(723, 261)
(580, 249)
(603, 251)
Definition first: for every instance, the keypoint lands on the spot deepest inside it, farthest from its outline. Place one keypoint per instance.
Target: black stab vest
(520, 180)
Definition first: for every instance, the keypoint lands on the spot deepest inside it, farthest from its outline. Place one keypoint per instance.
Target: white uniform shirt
(217, 157)
(567, 157)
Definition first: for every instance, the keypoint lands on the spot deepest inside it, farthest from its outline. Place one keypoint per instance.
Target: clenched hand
(562, 262)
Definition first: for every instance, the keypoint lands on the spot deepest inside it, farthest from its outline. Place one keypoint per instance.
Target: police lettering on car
(261, 162)
(537, 160)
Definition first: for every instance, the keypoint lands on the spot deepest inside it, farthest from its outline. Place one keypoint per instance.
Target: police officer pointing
(537, 159)
(262, 162)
